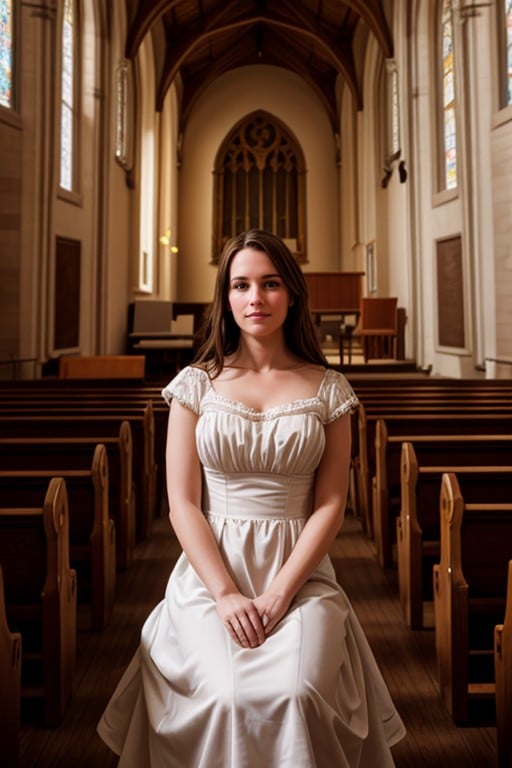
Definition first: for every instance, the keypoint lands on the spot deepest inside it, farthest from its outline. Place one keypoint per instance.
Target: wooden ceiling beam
(235, 56)
(179, 50)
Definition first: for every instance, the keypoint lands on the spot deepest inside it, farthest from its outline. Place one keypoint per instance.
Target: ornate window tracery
(260, 182)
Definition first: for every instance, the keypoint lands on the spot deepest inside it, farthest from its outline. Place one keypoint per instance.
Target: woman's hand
(241, 619)
(271, 607)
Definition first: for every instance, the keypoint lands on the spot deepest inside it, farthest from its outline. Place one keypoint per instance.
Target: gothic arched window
(69, 97)
(447, 111)
(260, 182)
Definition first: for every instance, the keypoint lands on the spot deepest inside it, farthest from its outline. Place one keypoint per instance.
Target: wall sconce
(385, 179)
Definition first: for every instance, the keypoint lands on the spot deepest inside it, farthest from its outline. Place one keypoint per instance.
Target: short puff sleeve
(188, 387)
(338, 396)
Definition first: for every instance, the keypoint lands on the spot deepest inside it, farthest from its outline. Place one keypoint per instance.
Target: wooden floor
(407, 661)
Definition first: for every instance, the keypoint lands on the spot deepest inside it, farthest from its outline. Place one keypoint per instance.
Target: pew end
(469, 595)
(10, 687)
(90, 530)
(409, 544)
(41, 598)
(503, 673)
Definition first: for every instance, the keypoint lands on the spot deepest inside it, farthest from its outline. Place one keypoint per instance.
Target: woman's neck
(263, 355)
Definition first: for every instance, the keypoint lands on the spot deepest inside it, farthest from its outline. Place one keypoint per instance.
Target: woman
(255, 658)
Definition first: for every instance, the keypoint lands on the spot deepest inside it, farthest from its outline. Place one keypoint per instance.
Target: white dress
(311, 695)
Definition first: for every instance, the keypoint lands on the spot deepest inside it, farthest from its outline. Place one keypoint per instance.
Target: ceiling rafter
(179, 52)
(199, 40)
(372, 13)
(199, 83)
(148, 13)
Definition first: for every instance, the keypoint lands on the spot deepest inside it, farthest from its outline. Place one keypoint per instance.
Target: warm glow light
(166, 240)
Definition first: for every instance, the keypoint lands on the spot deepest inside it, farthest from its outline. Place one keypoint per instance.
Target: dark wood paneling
(450, 293)
(67, 294)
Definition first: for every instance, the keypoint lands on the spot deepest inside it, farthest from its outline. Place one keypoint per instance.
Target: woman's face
(257, 295)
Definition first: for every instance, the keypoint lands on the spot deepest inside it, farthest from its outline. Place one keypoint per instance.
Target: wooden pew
(470, 583)
(376, 432)
(107, 402)
(68, 421)
(104, 399)
(91, 531)
(435, 449)
(40, 597)
(10, 684)
(102, 367)
(503, 674)
(418, 525)
(63, 453)
(389, 383)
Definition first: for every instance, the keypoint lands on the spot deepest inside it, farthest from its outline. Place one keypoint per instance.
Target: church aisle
(407, 660)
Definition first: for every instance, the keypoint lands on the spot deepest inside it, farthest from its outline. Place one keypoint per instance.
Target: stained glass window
(67, 96)
(6, 57)
(508, 26)
(448, 94)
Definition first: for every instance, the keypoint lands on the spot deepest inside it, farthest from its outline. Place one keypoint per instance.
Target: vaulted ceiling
(196, 41)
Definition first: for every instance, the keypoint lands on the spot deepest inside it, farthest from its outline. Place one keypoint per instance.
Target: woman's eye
(272, 284)
(239, 286)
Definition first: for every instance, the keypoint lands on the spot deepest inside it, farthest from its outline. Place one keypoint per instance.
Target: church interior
(375, 139)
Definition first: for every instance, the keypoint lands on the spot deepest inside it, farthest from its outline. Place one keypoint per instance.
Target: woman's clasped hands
(249, 621)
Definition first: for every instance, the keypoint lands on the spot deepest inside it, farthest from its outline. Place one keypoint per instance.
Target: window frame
(504, 78)
(9, 114)
(443, 191)
(72, 194)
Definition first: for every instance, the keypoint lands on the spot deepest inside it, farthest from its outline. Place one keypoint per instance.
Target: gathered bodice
(259, 464)
(258, 467)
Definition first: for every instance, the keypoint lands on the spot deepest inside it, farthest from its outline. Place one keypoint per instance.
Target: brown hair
(221, 335)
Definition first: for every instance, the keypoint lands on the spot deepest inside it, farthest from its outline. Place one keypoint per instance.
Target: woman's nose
(255, 296)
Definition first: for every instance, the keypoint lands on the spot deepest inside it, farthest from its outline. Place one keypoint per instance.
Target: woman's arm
(184, 480)
(331, 490)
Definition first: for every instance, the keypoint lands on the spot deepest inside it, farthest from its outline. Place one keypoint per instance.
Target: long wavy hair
(220, 335)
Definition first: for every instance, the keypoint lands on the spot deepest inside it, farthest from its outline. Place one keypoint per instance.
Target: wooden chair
(40, 597)
(503, 673)
(470, 585)
(378, 326)
(10, 682)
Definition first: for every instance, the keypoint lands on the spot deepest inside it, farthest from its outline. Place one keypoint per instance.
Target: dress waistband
(252, 495)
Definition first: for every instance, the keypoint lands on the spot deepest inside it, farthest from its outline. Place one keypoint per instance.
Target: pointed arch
(260, 182)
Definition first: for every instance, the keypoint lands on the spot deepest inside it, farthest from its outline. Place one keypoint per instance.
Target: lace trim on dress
(294, 407)
(193, 389)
